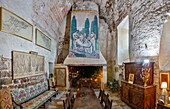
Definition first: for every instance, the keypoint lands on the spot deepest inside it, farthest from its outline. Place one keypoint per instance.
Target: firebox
(86, 76)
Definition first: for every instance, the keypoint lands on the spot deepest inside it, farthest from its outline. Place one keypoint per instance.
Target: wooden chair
(66, 104)
(108, 104)
(71, 99)
(100, 94)
(105, 101)
(5, 99)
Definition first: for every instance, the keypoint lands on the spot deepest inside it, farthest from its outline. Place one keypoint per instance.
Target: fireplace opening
(86, 76)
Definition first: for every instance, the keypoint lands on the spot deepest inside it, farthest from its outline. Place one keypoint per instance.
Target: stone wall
(146, 23)
(47, 16)
(107, 44)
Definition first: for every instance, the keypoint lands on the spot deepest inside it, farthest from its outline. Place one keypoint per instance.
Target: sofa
(33, 96)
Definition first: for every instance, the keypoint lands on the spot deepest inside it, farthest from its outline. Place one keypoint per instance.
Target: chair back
(104, 97)
(5, 99)
(70, 98)
(109, 104)
(66, 104)
(100, 94)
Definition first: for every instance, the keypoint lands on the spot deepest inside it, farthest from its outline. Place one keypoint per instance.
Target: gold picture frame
(60, 77)
(164, 77)
(15, 25)
(131, 78)
(43, 40)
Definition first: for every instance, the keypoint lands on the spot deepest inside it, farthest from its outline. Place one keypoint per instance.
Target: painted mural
(84, 34)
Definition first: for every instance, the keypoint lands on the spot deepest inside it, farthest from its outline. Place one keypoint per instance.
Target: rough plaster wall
(38, 13)
(147, 18)
(107, 44)
(107, 38)
(164, 54)
(146, 22)
(63, 41)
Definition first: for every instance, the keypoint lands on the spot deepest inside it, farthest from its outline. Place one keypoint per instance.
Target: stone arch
(164, 52)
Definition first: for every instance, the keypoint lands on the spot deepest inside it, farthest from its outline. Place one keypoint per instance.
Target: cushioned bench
(33, 96)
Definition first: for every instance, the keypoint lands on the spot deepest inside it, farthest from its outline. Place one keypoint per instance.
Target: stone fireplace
(85, 62)
(87, 76)
(86, 70)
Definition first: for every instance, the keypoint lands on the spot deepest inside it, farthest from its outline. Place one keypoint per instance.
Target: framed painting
(131, 78)
(43, 40)
(15, 25)
(60, 77)
(26, 64)
(164, 77)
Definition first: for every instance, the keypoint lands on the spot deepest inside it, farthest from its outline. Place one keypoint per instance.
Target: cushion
(38, 100)
(24, 94)
(5, 99)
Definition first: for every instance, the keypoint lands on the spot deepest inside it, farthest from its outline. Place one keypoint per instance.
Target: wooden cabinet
(137, 96)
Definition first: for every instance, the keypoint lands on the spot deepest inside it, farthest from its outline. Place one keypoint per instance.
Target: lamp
(164, 91)
(164, 85)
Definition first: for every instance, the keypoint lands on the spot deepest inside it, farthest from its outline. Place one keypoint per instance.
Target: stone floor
(57, 102)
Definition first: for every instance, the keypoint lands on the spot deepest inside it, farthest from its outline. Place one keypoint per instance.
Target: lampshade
(164, 85)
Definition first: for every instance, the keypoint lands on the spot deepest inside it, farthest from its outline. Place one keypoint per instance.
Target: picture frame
(131, 78)
(15, 25)
(26, 65)
(43, 40)
(164, 77)
(60, 77)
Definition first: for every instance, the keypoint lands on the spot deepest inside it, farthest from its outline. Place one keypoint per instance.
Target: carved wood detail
(138, 97)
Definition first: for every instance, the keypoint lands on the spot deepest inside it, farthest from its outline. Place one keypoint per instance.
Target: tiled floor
(57, 102)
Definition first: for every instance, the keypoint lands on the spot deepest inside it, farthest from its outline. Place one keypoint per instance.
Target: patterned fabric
(5, 99)
(38, 100)
(24, 94)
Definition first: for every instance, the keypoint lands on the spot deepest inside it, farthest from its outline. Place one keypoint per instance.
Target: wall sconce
(164, 91)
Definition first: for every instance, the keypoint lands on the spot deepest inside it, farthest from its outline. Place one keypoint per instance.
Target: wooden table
(86, 99)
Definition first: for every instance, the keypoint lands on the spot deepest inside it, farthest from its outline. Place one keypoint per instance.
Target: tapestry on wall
(25, 64)
(84, 34)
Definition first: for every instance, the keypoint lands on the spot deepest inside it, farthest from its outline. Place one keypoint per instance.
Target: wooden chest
(137, 96)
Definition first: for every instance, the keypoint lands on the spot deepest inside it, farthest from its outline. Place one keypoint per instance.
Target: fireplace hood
(72, 61)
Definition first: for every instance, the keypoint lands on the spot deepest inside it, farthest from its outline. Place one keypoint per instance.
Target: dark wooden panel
(160, 106)
(136, 69)
(137, 96)
(125, 93)
(136, 99)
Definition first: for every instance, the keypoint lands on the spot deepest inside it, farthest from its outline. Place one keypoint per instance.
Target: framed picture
(42, 40)
(131, 78)
(26, 64)
(13, 24)
(164, 77)
(60, 77)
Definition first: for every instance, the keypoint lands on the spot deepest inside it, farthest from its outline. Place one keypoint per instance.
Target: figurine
(145, 75)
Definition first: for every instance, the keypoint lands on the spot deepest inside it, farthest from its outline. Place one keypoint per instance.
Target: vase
(145, 83)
